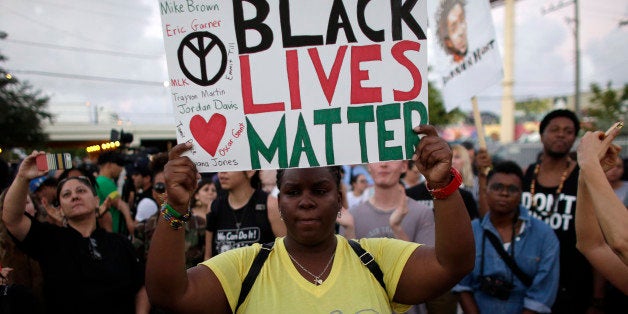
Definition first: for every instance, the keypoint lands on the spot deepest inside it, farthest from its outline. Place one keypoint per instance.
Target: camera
(496, 287)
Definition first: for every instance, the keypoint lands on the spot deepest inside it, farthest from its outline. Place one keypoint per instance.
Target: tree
(533, 108)
(438, 115)
(22, 112)
(608, 105)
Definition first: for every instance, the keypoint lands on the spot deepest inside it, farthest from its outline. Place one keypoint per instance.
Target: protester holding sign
(312, 268)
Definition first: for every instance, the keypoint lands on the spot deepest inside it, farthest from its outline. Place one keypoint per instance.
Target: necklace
(317, 279)
(242, 215)
(559, 189)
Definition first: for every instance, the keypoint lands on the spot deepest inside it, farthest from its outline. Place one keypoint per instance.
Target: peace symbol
(195, 42)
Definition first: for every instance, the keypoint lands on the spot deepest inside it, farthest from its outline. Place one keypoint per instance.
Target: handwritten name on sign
(279, 84)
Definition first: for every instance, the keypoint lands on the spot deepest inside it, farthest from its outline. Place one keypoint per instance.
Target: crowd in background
(523, 220)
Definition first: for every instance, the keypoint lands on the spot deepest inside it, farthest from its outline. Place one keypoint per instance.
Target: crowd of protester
(105, 232)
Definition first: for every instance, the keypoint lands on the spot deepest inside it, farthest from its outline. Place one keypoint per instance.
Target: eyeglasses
(160, 187)
(500, 188)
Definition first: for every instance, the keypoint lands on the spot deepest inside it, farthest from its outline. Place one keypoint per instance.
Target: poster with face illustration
(280, 84)
(466, 60)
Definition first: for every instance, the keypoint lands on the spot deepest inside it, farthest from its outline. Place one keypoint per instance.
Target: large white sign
(276, 84)
(466, 59)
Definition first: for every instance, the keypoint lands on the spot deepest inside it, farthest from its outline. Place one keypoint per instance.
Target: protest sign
(466, 59)
(279, 84)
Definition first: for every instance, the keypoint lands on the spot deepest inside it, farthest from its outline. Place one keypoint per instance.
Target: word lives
(175, 7)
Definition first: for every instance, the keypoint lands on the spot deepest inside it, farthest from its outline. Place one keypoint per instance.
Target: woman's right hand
(28, 168)
(181, 178)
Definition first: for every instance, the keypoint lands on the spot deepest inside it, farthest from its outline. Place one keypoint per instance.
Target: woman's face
(207, 193)
(309, 201)
(77, 199)
(233, 179)
(457, 160)
(360, 183)
(614, 174)
(504, 193)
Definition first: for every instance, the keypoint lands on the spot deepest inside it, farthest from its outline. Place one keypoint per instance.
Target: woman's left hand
(433, 157)
(595, 148)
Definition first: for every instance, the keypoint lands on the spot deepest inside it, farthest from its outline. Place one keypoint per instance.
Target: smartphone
(59, 161)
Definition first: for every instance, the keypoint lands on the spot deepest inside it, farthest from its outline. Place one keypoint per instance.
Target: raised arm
(431, 271)
(15, 199)
(590, 241)
(594, 156)
(167, 282)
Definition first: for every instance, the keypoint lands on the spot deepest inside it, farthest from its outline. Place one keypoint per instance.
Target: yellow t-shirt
(349, 288)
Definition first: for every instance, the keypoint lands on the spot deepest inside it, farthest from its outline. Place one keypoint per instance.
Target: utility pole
(508, 104)
(576, 32)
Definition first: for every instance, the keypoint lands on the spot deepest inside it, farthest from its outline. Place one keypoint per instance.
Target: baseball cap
(38, 182)
(140, 166)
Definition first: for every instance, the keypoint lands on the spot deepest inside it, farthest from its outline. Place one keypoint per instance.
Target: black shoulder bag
(365, 257)
(525, 279)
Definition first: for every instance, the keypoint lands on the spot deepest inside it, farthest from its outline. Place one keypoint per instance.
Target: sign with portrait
(466, 59)
(280, 84)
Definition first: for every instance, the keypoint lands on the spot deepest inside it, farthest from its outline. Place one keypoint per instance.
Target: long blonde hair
(466, 171)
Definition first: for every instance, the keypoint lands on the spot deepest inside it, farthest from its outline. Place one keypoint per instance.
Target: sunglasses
(160, 187)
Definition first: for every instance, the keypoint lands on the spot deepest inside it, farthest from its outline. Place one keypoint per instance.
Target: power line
(50, 27)
(81, 49)
(89, 78)
(133, 19)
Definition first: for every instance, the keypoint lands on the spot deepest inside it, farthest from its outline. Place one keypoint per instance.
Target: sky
(109, 54)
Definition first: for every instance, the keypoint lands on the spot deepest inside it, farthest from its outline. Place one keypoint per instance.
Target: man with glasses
(517, 265)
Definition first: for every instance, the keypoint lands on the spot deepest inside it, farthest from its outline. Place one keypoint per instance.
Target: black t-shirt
(98, 274)
(419, 192)
(241, 227)
(575, 271)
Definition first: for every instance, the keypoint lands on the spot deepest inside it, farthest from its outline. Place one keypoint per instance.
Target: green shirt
(105, 187)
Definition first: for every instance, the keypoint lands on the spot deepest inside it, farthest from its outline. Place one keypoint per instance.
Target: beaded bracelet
(174, 219)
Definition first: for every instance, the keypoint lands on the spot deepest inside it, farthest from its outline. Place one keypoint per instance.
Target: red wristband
(444, 192)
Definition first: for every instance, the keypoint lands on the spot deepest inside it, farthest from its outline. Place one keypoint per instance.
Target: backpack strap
(368, 261)
(256, 267)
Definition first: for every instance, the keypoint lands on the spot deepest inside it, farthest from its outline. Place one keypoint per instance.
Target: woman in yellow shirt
(311, 269)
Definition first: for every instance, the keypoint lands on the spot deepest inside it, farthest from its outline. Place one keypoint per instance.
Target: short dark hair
(111, 157)
(557, 114)
(334, 170)
(506, 167)
(441, 17)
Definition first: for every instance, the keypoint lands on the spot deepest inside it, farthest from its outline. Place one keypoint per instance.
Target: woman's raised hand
(433, 157)
(181, 177)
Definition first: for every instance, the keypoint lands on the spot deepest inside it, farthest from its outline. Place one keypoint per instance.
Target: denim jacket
(536, 253)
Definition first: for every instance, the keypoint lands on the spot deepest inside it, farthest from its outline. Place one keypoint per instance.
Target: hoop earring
(339, 213)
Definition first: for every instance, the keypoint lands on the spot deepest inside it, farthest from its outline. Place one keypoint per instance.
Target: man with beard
(549, 192)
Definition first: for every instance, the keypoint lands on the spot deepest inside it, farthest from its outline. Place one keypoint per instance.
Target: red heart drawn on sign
(208, 134)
